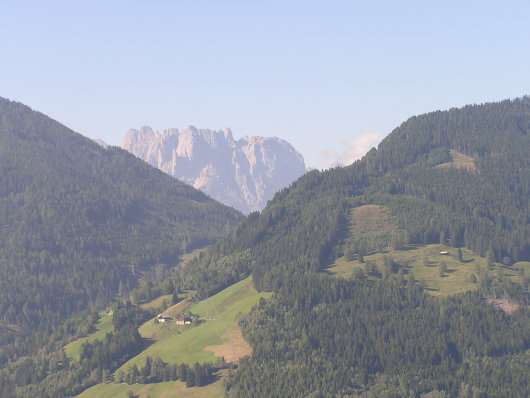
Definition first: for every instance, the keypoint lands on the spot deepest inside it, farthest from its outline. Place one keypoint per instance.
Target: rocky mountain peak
(242, 173)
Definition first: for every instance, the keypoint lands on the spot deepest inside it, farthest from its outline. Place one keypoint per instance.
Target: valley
(299, 199)
(403, 274)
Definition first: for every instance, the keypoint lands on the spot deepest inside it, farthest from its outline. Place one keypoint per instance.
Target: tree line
(319, 336)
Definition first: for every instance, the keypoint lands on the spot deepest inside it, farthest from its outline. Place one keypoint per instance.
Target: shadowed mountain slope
(78, 220)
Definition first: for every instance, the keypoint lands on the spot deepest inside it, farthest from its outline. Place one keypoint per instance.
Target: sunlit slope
(424, 263)
(216, 335)
(218, 316)
(374, 231)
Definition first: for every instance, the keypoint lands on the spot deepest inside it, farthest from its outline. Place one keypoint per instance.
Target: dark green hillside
(456, 178)
(438, 183)
(485, 208)
(79, 222)
(326, 337)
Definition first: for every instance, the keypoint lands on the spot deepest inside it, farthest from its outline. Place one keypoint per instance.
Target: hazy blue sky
(330, 77)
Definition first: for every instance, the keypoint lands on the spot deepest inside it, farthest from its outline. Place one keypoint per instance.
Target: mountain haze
(446, 193)
(242, 173)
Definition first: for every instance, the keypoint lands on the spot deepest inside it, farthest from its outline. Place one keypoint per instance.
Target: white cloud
(353, 149)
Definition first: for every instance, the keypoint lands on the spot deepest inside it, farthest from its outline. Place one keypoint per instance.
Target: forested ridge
(322, 336)
(79, 226)
(389, 339)
(486, 209)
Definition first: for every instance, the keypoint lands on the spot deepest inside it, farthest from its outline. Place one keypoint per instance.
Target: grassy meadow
(216, 335)
(156, 303)
(424, 262)
(459, 161)
(217, 331)
(159, 331)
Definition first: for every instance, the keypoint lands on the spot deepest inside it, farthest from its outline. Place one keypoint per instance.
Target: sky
(330, 77)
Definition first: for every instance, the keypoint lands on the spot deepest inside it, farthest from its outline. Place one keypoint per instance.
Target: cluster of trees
(51, 373)
(156, 286)
(302, 232)
(493, 202)
(156, 371)
(305, 226)
(111, 351)
(491, 280)
(319, 336)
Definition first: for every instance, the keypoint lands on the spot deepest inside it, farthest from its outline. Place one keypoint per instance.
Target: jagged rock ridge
(242, 173)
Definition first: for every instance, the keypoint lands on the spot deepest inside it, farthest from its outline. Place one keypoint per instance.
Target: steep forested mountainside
(485, 207)
(324, 337)
(79, 222)
(459, 177)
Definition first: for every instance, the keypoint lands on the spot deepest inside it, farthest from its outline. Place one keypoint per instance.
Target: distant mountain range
(243, 173)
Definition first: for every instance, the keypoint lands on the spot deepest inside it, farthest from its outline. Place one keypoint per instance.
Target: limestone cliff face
(244, 174)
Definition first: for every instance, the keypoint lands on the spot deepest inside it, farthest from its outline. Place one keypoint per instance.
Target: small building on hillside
(444, 253)
(183, 320)
(164, 318)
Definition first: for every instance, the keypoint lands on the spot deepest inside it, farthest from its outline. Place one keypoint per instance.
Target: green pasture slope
(218, 314)
(156, 303)
(459, 161)
(186, 344)
(424, 262)
(159, 331)
(105, 325)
